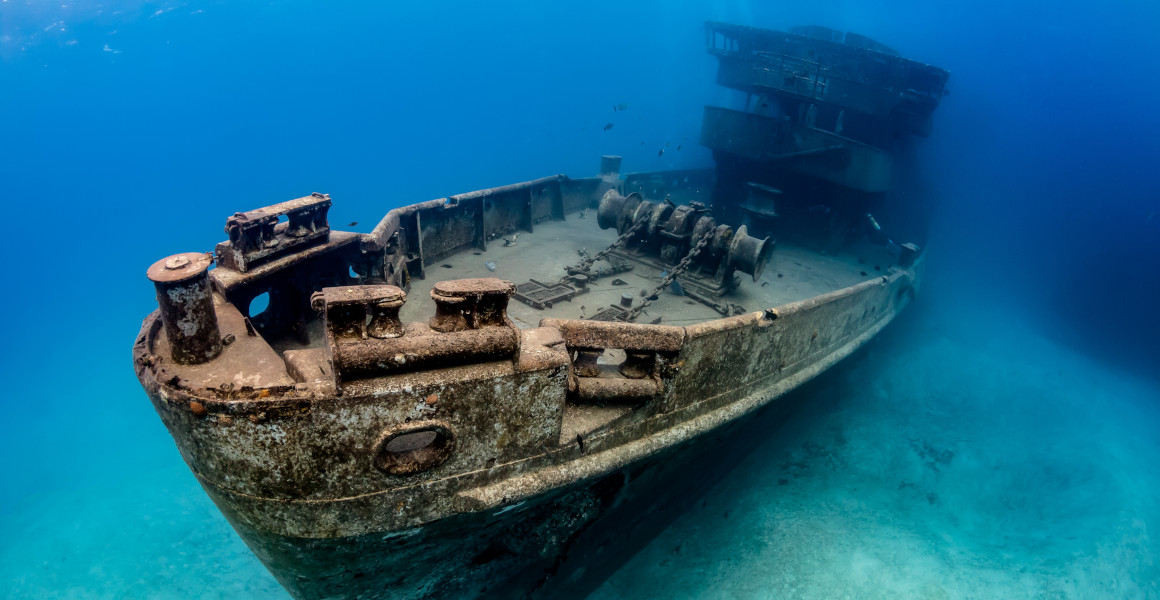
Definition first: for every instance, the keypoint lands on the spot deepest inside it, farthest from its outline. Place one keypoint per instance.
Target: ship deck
(793, 273)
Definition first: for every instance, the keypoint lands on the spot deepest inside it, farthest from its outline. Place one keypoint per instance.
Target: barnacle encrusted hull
(277, 468)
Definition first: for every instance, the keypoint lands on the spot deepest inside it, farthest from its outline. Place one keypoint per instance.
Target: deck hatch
(538, 294)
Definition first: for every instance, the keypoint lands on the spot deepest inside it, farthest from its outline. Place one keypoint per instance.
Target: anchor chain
(675, 272)
(619, 243)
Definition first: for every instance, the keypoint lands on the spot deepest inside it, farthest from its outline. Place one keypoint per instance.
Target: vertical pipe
(186, 302)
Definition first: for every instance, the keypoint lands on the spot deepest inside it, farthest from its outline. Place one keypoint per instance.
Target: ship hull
(559, 530)
(563, 544)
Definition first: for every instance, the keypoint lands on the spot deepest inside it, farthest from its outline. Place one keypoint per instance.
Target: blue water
(999, 440)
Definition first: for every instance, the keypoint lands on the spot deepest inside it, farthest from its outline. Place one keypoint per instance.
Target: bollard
(463, 304)
(586, 363)
(186, 302)
(637, 364)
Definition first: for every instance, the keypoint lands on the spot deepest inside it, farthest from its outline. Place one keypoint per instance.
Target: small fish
(1151, 215)
(642, 143)
(666, 144)
(607, 126)
(490, 265)
(620, 107)
(661, 153)
(353, 224)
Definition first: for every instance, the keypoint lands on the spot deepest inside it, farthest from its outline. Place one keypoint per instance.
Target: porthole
(414, 448)
(259, 304)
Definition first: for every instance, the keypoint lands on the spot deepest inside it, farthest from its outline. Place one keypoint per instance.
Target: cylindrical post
(462, 304)
(186, 302)
(385, 321)
(586, 363)
(638, 364)
(609, 164)
(450, 314)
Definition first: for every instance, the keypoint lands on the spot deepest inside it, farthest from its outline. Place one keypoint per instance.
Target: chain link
(675, 272)
(619, 243)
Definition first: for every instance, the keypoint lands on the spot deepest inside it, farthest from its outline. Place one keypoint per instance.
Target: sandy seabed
(972, 462)
(938, 462)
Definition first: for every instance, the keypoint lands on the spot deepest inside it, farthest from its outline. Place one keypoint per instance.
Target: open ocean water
(999, 440)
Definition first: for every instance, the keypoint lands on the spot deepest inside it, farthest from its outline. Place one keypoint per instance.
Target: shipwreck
(489, 393)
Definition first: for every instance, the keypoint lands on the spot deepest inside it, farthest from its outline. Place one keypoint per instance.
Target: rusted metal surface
(359, 312)
(413, 237)
(611, 314)
(543, 295)
(365, 338)
(426, 350)
(631, 336)
(684, 241)
(257, 236)
(298, 471)
(186, 304)
(595, 389)
(471, 304)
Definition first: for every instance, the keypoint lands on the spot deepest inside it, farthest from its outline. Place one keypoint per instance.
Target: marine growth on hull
(492, 350)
